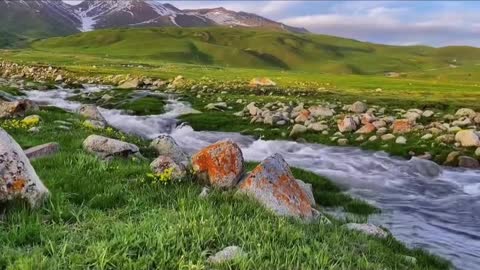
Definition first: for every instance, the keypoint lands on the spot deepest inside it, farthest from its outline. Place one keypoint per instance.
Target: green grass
(145, 104)
(100, 216)
(247, 48)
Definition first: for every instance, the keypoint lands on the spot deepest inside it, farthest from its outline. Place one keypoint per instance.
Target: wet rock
(165, 145)
(273, 185)
(91, 112)
(297, 130)
(348, 124)
(358, 107)
(366, 129)
(402, 126)
(424, 167)
(467, 138)
(18, 179)
(220, 164)
(108, 148)
(452, 159)
(468, 162)
(228, 254)
(43, 150)
(163, 163)
(368, 229)
(342, 141)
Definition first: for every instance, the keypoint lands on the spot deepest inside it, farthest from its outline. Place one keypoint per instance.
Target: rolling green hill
(249, 48)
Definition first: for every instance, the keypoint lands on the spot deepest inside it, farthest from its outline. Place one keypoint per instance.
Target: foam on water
(423, 204)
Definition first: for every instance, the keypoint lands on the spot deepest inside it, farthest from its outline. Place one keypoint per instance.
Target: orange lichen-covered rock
(402, 126)
(18, 179)
(220, 164)
(273, 185)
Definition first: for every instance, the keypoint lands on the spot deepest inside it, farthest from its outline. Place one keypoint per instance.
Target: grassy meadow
(106, 216)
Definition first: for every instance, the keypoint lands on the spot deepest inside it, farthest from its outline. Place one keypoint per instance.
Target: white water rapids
(422, 204)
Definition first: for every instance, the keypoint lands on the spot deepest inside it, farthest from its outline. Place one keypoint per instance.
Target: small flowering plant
(166, 177)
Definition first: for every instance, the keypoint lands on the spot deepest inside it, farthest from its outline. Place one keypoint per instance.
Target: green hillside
(249, 48)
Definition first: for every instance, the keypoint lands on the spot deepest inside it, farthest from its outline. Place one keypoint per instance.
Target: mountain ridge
(48, 18)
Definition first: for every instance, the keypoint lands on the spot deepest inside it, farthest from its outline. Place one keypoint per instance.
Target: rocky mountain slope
(24, 20)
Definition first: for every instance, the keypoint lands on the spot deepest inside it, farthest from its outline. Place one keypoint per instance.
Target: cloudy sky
(435, 23)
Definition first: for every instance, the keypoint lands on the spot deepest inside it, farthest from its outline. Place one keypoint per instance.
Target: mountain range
(24, 20)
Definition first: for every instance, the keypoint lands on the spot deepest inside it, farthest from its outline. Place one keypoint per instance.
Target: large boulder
(91, 112)
(467, 138)
(18, 179)
(108, 148)
(273, 185)
(16, 108)
(165, 145)
(220, 164)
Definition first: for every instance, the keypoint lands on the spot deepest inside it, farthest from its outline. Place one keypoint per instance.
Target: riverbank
(102, 215)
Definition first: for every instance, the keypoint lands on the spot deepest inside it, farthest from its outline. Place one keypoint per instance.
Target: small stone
(347, 125)
(373, 138)
(358, 107)
(297, 130)
(368, 229)
(401, 140)
(427, 114)
(204, 193)
(465, 112)
(367, 128)
(387, 137)
(477, 152)
(427, 136)
(228, 254)
(342, 142)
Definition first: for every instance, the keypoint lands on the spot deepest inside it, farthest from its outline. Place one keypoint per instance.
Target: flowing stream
(423, 205)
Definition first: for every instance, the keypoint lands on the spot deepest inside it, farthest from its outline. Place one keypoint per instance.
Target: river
(423, 205)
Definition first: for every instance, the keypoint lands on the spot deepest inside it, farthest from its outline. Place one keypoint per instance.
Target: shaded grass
(100, 216)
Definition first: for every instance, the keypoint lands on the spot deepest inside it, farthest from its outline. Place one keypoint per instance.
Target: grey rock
(468, 162)
(107, 148)
(228, 254)
(162, 163)
(43, 150)
(18, 178)
(368, 229)
(165, 145)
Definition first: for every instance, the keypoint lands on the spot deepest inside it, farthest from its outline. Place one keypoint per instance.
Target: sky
(435, 23)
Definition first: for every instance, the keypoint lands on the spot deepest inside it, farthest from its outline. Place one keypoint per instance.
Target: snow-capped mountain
(43, 18)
